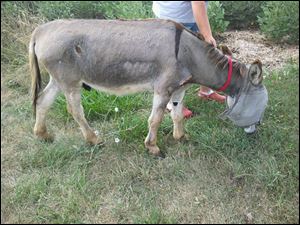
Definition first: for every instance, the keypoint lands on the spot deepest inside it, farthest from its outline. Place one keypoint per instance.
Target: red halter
(223, 88)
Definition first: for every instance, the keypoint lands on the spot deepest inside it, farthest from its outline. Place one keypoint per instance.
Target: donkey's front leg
(158, 108)
(177, 113)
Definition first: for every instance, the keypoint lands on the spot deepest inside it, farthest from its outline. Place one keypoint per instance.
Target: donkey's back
(107, 53)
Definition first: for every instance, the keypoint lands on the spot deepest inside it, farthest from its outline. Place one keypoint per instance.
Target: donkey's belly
(122, 89)
(122, 77)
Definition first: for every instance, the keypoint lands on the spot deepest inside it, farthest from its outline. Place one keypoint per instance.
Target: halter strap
(223, 88)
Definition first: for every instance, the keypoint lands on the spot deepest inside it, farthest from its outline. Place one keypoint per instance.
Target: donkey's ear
(255, 72)
(225, 50)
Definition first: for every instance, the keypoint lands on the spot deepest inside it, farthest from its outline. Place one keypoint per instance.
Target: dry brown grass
(248, 46)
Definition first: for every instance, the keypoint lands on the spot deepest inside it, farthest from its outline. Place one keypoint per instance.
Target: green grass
(219, 175)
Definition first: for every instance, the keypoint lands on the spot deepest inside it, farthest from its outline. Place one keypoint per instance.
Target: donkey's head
(246, 108)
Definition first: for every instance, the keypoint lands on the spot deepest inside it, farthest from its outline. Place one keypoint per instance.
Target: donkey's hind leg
(76, 109)
(44, 102)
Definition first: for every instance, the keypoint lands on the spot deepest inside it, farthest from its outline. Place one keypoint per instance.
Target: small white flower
(117, 140)
(97, 132)
(116, 109)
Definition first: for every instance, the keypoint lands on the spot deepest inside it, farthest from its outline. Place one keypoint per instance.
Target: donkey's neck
(194, 56)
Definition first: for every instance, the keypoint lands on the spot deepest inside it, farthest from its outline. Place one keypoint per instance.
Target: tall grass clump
(280, 21)
(17, 23)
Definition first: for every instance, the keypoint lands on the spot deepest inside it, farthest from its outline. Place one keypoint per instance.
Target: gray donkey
(122, 57)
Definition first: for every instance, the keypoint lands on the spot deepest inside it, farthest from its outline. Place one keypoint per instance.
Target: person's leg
(208, 94)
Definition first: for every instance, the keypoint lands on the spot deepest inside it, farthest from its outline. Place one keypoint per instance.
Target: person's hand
(210, 39)
(201, 18)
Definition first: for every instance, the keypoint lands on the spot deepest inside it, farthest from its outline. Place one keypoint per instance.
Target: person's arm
(201, 18)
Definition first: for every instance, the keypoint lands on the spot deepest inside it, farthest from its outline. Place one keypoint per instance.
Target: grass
(220, 175)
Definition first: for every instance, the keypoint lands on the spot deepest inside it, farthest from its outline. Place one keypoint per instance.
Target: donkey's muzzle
(247, 109)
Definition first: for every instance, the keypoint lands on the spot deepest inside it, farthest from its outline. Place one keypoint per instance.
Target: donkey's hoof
(182, 138)
(97, 142)
(44, 136)
(178, 137)
(161, 155)
(48, 138)
(154, 150)
(93, 138)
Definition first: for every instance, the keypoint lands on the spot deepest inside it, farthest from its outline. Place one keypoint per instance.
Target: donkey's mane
(219, 59)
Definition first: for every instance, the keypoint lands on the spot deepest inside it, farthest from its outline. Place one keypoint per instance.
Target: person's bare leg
(205, 89)
(207, 93)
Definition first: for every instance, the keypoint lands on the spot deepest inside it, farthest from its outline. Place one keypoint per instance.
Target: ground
(249, 45)
(219, 175)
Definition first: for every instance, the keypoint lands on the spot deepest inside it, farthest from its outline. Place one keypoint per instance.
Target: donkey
(122, 57)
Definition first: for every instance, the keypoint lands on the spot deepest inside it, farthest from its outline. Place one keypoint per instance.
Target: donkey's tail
(35, 73)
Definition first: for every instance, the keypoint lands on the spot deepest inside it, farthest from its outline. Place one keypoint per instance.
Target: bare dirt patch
(249, 45)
